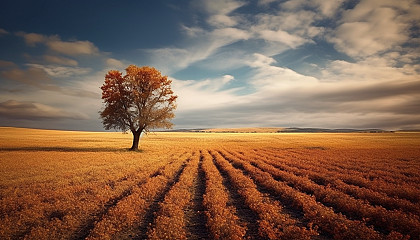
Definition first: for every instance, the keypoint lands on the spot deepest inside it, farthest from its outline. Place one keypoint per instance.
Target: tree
(139, 101)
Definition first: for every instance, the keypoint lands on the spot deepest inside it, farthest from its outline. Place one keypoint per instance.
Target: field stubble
(86, 185)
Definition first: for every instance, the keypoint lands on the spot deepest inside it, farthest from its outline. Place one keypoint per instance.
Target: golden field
(86, 185)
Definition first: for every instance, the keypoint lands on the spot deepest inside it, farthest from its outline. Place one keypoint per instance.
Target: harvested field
(86, 185)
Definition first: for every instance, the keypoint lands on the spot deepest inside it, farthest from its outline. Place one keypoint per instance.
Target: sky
(234, 63)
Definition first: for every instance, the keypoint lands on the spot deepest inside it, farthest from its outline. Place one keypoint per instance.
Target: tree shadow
(65, 149)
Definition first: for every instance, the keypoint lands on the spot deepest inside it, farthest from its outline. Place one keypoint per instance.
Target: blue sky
(234, 63)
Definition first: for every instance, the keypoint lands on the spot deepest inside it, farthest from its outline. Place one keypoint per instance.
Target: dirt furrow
(195, 212)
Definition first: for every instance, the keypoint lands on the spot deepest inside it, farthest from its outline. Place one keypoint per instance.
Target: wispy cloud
(204, 45)
(60, 60)
(37, 76)
(55, 44)
(60, 71)
(115, 63)
(327, 8)
(207, 94)
(7, 64)
(3, 32)
(73, 48)
(219, 12)
(32, 76)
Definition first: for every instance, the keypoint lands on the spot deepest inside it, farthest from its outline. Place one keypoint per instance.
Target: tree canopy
(139, 101)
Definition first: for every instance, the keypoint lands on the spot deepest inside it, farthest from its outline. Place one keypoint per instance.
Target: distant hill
(244, 130)
(280, 130)
(338, 130)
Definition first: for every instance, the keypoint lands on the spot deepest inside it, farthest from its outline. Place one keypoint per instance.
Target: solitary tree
(138, 101)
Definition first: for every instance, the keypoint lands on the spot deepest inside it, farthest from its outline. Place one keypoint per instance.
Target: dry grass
(63, 184)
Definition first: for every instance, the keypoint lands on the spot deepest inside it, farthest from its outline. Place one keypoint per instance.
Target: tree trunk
(136, 140)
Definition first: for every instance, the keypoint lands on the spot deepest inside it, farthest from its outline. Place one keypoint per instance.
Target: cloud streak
(3, 32)
(35, 111)
(55, 44)
(39, 77)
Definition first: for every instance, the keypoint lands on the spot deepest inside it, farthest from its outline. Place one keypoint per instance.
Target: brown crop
(85, 185)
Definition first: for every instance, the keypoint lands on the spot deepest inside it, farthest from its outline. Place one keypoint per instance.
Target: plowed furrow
(195, 212)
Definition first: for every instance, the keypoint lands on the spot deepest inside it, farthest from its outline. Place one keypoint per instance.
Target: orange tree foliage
(138, 101)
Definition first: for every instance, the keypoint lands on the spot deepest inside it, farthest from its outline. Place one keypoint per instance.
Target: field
(82, 185)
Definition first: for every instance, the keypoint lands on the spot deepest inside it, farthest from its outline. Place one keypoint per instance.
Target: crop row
(390, 167)
(221, 217)
(401, 190)
(170, 220)
(124, 220)
(273, 222)
(354, 208)
(323, 177)
(334, 224)
(65, 207)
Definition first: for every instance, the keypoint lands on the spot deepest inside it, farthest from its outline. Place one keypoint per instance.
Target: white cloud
(374, 27)
(292, 29)
(224, 36)
(215, 7)
(261, 60)
(222, 21)
(292, 41)
(268, 78)
(206, 94)
(214, 84)
(219, 12)
(327, 8)
(114, 63)
(172, 59)
(193, 31)
(367, 70)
